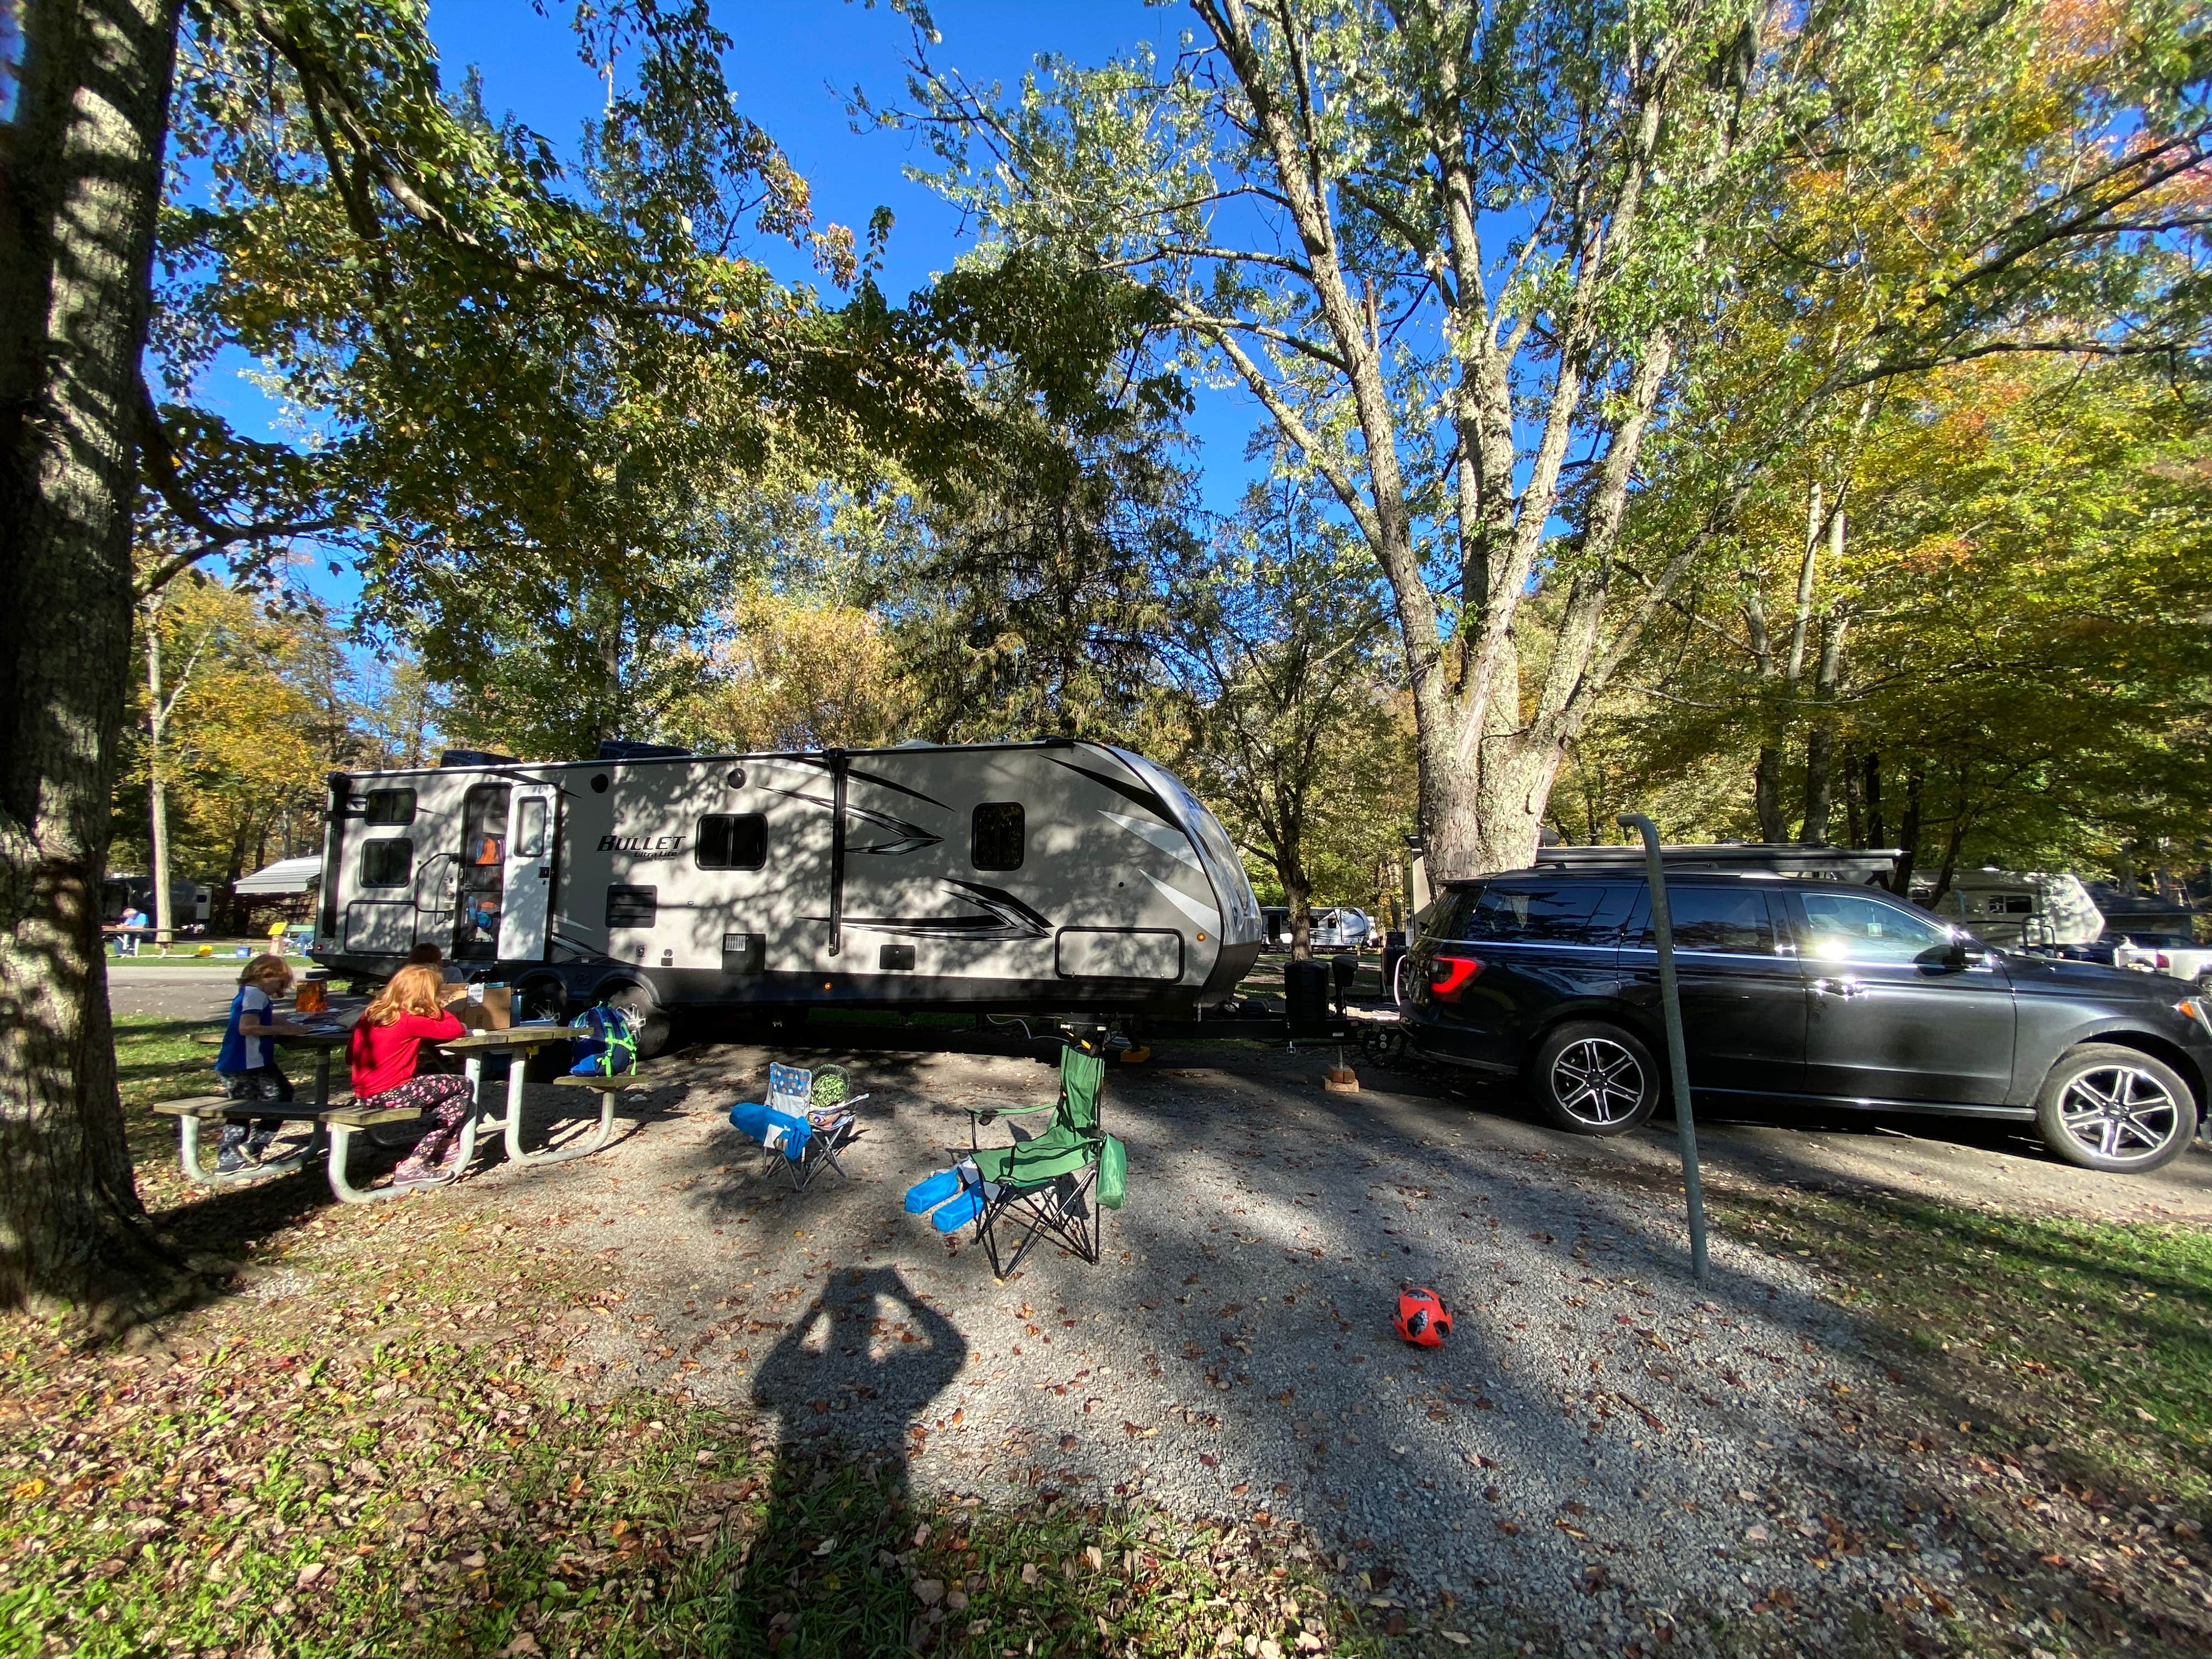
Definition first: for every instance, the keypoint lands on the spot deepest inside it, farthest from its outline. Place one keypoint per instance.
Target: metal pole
(1670, 1000)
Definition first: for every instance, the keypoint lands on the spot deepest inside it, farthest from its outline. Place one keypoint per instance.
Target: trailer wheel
(541, 998)
(651, 1021)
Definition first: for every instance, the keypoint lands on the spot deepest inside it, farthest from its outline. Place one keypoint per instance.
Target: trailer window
(530, 829)
(388, 861)
(738, 842)
(633, 907)
(389, 807)
(995, 835)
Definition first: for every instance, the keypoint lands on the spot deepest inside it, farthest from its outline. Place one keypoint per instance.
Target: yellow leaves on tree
(796, 675)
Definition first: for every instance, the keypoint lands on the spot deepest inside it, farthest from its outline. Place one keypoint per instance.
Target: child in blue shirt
(245, 1064)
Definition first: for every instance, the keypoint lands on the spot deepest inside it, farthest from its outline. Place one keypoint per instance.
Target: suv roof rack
(1768, 858)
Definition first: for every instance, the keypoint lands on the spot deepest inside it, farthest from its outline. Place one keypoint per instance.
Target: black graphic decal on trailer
(1135, 791)
(881, 782)
(908, 838)
(1004, 918)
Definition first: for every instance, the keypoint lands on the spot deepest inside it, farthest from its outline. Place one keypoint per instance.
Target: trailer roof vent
(474, 757)
(630, 749)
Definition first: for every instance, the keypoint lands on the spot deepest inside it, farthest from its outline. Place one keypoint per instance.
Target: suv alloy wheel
(1593, 1079)
(2106, 1107)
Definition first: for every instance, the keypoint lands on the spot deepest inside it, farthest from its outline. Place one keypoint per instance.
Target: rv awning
(285, 876)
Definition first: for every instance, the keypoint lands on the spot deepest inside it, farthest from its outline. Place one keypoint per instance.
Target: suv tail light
(1450, 975)
(2164, 960)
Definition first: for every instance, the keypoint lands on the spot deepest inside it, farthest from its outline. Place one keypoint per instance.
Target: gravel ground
(1604, 1452)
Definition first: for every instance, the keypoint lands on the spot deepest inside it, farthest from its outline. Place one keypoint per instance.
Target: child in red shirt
(386, 1041)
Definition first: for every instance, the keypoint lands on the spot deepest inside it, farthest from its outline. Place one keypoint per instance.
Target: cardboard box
(494, 1014)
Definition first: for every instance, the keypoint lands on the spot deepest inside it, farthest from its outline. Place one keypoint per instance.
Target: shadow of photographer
(846, 1381)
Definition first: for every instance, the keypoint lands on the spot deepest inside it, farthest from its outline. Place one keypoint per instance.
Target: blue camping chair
(795, 1132)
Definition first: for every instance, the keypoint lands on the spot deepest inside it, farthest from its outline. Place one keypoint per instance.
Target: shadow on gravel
(809, 1583)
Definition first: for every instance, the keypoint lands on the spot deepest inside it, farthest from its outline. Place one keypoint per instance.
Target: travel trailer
(1046, 877)
(2012, 911)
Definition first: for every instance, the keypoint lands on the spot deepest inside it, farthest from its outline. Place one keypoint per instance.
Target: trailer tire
(652, 1022)
(541, 998)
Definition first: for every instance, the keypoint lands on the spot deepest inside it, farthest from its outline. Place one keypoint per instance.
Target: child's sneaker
(259, 1143)
(230, 1157)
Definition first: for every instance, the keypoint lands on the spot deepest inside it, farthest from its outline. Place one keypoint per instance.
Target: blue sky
(792, 64)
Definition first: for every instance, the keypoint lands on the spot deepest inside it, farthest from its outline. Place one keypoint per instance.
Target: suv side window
(1543, 915)
(1732, 920)
(1846, 927)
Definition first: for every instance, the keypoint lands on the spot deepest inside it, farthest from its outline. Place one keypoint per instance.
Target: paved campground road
(180, 991)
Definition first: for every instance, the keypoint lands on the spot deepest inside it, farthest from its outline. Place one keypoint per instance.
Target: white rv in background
(1047, 876)
(2012, 910)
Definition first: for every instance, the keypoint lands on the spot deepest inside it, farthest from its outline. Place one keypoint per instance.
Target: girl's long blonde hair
(413, 990)
(263, 966)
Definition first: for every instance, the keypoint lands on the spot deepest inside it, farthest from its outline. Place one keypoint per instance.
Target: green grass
(158, 1058)
(2093, 1337)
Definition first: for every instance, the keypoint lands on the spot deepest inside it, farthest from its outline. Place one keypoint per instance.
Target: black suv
(1818, 993)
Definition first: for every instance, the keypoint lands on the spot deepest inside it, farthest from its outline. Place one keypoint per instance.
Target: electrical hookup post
(1678, 1065)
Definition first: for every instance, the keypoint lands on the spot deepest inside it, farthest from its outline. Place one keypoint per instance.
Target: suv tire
(2107, 1106)
(1593, 1079)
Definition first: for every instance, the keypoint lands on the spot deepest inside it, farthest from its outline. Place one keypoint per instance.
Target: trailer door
(529, 872)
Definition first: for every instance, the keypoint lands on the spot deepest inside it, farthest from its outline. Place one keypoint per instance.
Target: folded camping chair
(1057, 1184)
(793, 1130)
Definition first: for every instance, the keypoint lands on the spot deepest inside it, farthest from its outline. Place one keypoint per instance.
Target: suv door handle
(1845, 989)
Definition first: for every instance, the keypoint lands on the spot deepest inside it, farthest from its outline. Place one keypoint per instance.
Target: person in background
(429, 956)
(244, 1062)
(383, 1056)
(131, 932)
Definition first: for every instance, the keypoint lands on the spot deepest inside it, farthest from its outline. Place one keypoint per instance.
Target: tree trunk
(1297, 891)
(1908, 835)
(157, 788)
(1949, 867)
(1493, 818)
(1821, 741)
(1870, 782)
(234, 909)
(1766, 794)
(79, 187)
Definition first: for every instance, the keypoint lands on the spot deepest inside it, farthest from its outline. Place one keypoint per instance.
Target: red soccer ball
(1423, 1319)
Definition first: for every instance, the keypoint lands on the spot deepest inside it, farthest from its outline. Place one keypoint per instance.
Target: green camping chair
(1057, 1184)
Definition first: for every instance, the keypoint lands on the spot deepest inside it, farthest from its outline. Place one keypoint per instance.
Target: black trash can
(1305, 989)
(1393, 953)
